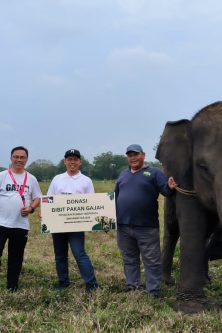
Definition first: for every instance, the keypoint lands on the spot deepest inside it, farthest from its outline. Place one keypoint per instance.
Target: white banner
(78, 212)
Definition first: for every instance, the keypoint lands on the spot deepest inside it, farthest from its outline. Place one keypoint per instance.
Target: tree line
(104, 166)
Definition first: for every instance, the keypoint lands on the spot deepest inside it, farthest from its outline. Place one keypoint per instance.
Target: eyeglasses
(16, 157)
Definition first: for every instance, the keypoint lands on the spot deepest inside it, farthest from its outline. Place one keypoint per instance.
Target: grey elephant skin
(191, 152)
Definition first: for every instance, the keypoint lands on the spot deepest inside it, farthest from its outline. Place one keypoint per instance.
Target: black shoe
(154, 295)
(12, 289)
(135, 288)
(91, 288)
(141, 287)
(130, 288)
(62, 286)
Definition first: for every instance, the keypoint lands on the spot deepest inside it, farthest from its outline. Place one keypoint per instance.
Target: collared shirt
(66, 184)
(137, 196)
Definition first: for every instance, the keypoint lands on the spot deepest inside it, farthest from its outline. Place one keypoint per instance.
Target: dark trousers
(76, 240)
(17, 239)
(136, 241)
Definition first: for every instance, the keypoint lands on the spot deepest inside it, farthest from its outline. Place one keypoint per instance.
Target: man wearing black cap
(72, 182)
(137, 190)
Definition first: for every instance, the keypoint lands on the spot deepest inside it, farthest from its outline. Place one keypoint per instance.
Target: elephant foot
(189, 307)
(191, 302)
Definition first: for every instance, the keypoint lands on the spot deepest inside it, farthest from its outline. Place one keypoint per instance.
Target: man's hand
(171, 183)
(26, 211)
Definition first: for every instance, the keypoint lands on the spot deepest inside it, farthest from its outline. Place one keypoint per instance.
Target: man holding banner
(72, 182)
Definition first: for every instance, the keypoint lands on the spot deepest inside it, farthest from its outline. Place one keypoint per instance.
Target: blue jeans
(134, 241)
(76, 240)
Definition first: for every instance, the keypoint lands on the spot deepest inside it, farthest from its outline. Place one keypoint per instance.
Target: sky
(99, 75)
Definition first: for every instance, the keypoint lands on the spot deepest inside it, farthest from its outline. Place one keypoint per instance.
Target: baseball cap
(134, 148)
(72, 152)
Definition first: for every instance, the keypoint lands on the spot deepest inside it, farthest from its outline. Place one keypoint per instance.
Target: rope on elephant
(186, 192)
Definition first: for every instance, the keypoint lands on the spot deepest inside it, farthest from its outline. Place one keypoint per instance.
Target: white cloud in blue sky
(99, 75)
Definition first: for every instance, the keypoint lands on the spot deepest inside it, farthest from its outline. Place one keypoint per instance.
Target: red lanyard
(20, 191)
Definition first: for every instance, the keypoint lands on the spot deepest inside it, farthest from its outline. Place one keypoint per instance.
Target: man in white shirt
(19, 196)
(72, 182)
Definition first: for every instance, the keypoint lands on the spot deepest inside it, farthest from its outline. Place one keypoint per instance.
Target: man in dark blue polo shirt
(137, 190)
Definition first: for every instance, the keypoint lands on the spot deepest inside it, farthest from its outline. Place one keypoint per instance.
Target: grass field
(38, 307)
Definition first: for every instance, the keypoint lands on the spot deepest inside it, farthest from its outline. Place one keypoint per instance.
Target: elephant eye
(203, 167)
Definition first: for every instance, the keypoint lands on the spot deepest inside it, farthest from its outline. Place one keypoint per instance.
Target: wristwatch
(32, 210)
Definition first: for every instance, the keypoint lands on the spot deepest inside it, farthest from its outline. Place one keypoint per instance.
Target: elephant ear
(175, 151)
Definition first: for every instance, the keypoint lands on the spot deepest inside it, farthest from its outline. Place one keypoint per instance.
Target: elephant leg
(210, 242)
(213, 250)
(192, 225)
(170, 238)
(206, 268)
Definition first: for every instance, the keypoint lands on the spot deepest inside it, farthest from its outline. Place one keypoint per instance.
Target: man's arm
(165, 185)
(171, 183)
(36, 195)
(90, 187)
(29, 210)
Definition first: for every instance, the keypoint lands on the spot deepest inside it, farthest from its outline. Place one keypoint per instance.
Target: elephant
(190, 151)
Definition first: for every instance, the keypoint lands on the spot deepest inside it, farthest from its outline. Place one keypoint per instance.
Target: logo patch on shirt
(147, 173)
(47, 199)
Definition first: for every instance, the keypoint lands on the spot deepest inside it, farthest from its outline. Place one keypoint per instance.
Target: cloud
(134, 60)
(138, 55)
(160, 9)
(132, 6)
(4, 127)
(140, 16)
(53, 80)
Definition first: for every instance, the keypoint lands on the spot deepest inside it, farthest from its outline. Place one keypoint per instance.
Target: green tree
(60, 168)
(108, 166)
(156, 163)
(43, 170)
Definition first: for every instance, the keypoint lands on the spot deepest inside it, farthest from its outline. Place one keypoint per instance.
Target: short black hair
(20, 148)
